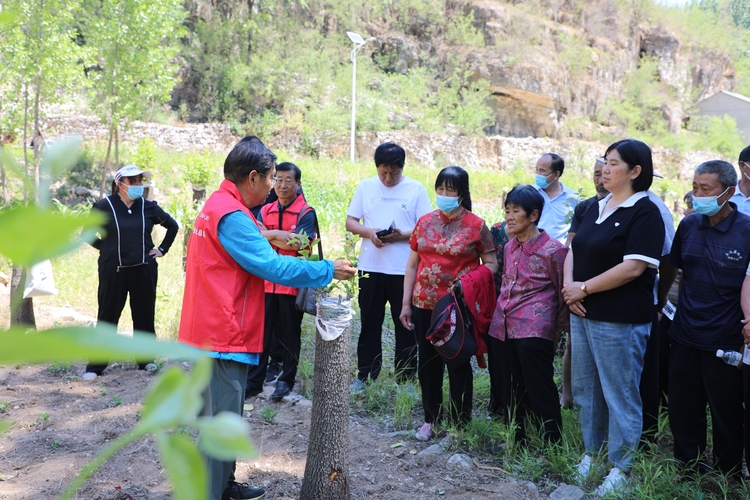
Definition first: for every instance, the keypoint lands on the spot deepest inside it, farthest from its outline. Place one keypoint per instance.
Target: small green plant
(269, 415)
(103, 390)
(55, 445)
(58, 369)
(145, 154)
(199, 169)
(115, 401)
(4, 406)
(42, 420)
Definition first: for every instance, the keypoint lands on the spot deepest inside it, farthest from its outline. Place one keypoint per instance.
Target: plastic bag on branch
(334, 316)
(39, 281)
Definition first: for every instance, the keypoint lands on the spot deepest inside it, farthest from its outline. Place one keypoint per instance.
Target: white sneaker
(89, 376)
(616, 480)
(583, 470)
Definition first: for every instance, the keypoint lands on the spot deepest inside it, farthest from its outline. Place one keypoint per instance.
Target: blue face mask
(541, 181)
(446, 204)
(135, 192)
(708, 205)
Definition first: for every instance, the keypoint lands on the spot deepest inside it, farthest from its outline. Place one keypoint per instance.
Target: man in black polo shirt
(712, 247)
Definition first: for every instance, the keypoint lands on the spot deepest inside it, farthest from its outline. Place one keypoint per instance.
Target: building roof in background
(731, 94)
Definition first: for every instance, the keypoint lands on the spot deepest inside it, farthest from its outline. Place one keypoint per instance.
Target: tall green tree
(40, 63)
(136, 44)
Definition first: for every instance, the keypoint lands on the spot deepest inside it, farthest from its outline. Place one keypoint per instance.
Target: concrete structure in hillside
(736, 106)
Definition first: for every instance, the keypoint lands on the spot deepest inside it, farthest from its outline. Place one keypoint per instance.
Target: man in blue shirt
(712, 247)
(559, 201)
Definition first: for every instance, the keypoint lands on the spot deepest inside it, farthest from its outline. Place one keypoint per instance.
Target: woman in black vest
(127, 255)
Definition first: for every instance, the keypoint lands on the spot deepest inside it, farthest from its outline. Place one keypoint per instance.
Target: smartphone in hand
(386, 232)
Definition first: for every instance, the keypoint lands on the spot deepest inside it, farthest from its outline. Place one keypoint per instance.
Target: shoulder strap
(305, 210)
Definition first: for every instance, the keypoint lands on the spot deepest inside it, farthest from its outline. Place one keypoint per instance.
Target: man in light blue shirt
(741, 196)
(559, 201)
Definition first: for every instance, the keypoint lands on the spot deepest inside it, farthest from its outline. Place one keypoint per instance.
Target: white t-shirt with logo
(377, 206)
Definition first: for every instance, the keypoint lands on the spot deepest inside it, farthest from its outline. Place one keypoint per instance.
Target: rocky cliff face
(548, 67)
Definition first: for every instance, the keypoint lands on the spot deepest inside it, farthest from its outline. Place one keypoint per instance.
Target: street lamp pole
(359, 42)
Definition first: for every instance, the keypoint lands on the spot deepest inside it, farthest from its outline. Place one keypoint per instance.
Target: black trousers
(664, 345)
(283, 324)
(522, 377)
(431, 369)
(746, 394)
(697, 378)
(115, 284)
(649, 386)
(374, 291)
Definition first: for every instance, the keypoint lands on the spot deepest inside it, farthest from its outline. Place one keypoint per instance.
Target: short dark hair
(390, 153)
(634, 152)
(247, 155)
(745, 155)
(526, 197)
(725, 172)
(290, 167)
(456, 178)
(557, 164)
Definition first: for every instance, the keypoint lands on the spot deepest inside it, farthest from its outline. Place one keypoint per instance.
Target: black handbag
(450, 330)
(306, 297)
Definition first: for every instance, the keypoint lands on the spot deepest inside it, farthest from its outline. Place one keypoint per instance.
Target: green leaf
(56, 160)
(185, 466)
(4, 426)
(200, 375)
(225, 436)
(29, 234)
(97, 344)
(169, 402)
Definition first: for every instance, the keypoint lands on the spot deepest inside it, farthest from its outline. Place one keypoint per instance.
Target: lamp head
(355, 37)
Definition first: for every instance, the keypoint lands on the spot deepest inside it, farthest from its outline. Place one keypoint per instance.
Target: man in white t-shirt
(383, 212)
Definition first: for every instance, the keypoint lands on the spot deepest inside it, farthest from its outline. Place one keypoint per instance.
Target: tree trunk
(117, 147)
(37, 98)
(105, 169)
(25, 140)
(22, 310)
(3, 181)
(326, 470)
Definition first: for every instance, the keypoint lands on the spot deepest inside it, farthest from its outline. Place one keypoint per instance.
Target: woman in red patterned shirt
(445, 245)
(530, 315)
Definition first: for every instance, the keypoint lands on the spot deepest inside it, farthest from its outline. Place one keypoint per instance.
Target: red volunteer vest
(286, 220)
(224, 307)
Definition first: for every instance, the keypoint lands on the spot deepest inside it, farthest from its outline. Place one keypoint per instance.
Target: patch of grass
(55, 445)
(115, 401)
(4, 406)
(403, 411)
(59, 369)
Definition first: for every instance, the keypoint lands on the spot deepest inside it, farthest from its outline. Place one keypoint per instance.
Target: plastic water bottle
(729, 357)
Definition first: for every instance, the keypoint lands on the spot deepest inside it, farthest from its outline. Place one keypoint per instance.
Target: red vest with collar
(286, 220)
(224, 306)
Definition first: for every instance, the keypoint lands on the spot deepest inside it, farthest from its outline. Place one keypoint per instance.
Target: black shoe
(241, 491)
(251, 393)
(272, 372)
(282, 389)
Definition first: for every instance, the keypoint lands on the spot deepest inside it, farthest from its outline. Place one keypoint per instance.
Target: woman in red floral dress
(445, 245)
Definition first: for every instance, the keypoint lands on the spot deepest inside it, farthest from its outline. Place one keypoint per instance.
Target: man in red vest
(223, 310)
(283, 218)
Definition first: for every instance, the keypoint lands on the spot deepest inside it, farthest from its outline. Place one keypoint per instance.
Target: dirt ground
(60, 422)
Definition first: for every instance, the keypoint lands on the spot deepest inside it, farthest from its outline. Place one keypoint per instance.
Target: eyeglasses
(273, 179)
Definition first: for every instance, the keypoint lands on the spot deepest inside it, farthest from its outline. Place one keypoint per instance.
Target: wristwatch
(583, 288)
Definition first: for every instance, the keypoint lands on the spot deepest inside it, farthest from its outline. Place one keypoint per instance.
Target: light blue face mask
(135, 192)
(708, 205)
(446, 204)
(541, 181)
